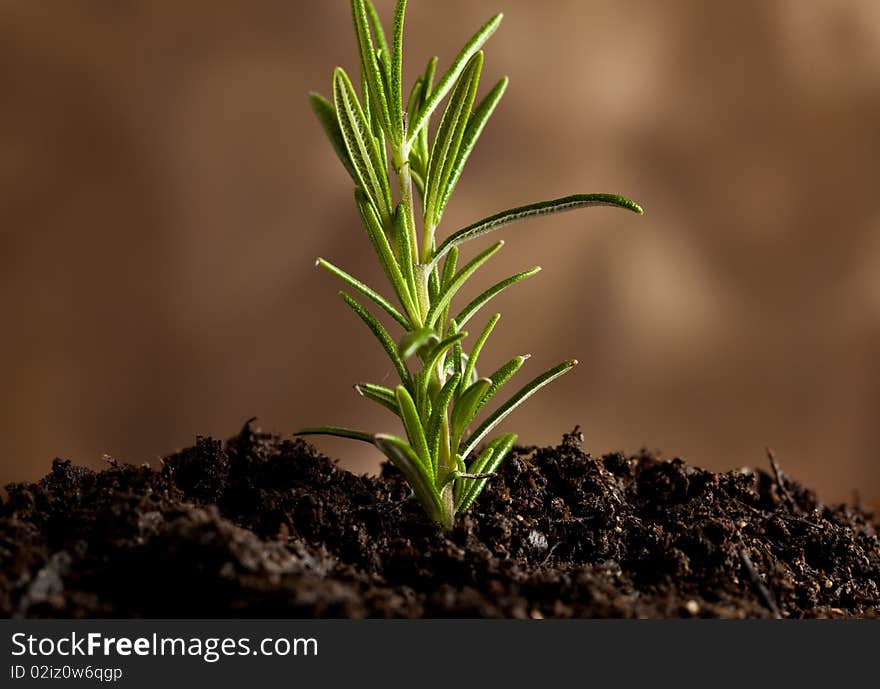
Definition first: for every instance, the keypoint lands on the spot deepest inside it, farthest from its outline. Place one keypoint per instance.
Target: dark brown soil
(267, 527)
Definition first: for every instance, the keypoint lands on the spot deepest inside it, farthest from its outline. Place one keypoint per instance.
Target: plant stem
(428, 244)
(445, 455)
(423, 268)
(423, 274)
(445, 465)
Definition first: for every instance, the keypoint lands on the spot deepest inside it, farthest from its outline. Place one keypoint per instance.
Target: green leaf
(428, 78)
(407, 251)
(368, 162)
(404, 458)
(397, 68)
(449, 269)
(414, 340)
(365, 102)
(337, 431)
(414, 103)
(433, 359)
(470, 369)
(475, 126)
(460, 486)
(500, 377)
(507, 217)
(466, 406)
(418, 178)
(433, 285)
(376, 26)
(468, 311)
(486, 463)
(446, 279)
(414, 429)
(375, 126)
(438, 413)
(382, 335)
(443, 347)
(500, 446)
(370, 65)
(450, 77)
(460, 278)
(385, 73)
(444, 153)
(367, 291)
(385, 253)
(327, 116)
(457, 354)
(421, 142)
(518, 398)
(380, 395)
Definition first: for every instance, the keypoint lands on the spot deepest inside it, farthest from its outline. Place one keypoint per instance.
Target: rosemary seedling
(386, 145)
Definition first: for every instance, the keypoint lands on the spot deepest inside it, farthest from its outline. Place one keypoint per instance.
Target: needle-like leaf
(466, 406)
(475, 126)
(499, 220)
(470, 367)
(383, 250)
(418, 177)
(327, 116)
(381, 334)
(458, 357)
(337, 431)
(367, 291)
(365, 104)
(385, 72)
(415, 340)
(370, 64)
(460, 278)
(407, 251)
(376, 26)
(404, 458)
(362, 147)
(414, 429)
(468, 311)
(500, 377)
(451, 76)
(449, 267)
(380, 395)
(414, 102)
(487, 463)
(428, 78)
(433, 359)
(518, 398)
(421, 141)
(397, 69)
(463, 488)
(433, 285)
(438, 413)
(448, 139)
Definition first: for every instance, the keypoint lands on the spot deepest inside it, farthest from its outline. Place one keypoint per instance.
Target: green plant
(438, 403)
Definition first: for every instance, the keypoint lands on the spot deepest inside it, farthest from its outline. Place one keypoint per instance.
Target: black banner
(151, 653)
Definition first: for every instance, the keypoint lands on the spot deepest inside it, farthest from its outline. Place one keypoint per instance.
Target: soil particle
(265, 527)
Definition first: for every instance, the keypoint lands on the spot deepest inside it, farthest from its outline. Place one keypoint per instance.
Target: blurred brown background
(164, 192)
